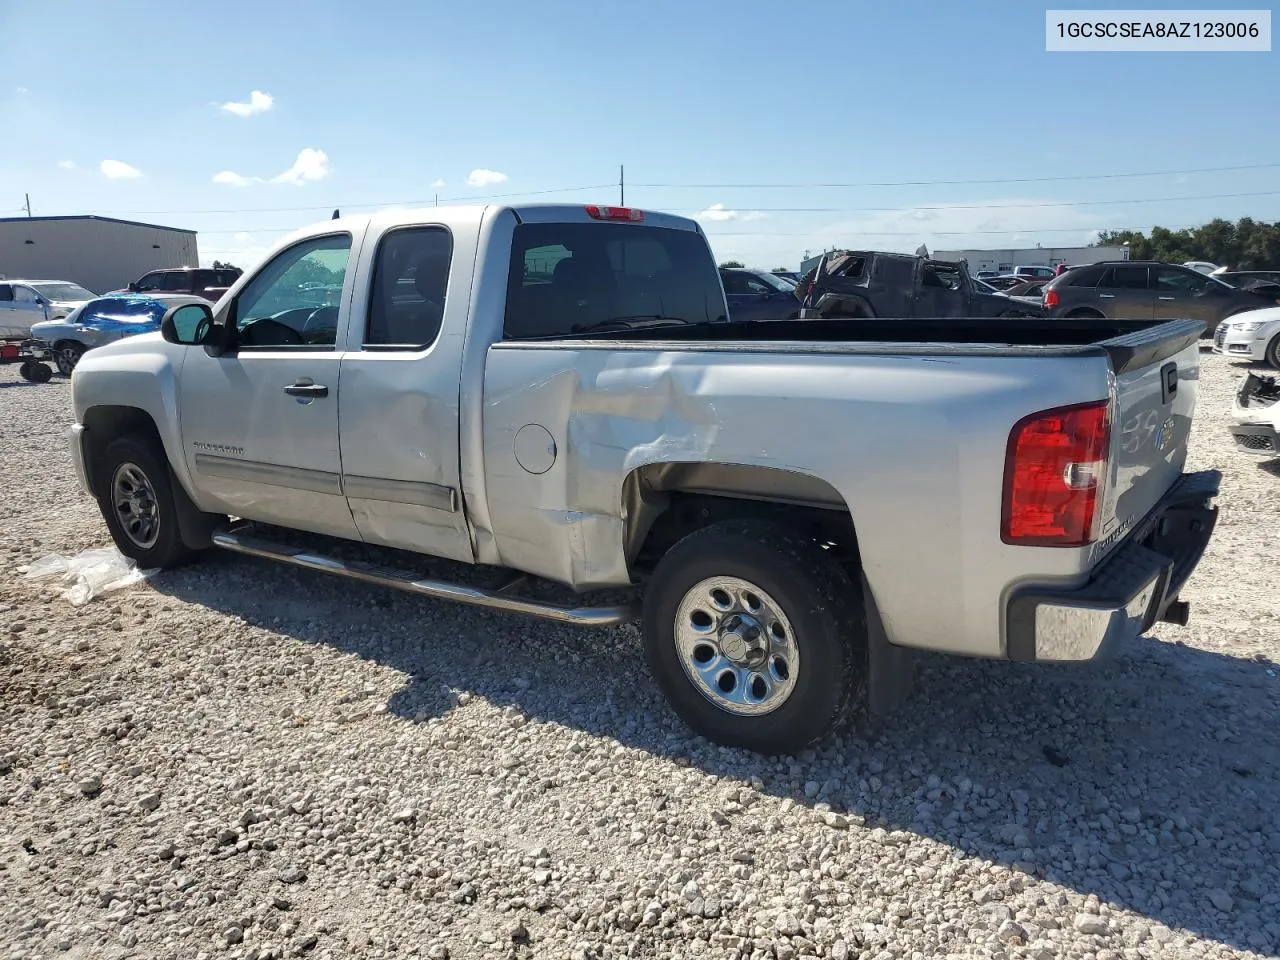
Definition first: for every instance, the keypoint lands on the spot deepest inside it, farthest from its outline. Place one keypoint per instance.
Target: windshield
(62, 291)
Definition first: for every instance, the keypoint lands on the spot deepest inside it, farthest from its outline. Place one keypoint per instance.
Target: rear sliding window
(572, 277)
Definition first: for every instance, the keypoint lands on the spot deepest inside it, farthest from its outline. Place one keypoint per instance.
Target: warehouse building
(99, 253)
(1004, 261)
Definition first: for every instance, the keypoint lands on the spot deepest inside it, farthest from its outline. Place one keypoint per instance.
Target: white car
(1255, 416)
(24, 302)
(1252, 335)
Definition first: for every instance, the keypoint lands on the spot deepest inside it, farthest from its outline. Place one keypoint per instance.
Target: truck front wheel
(755, 636)
(132, 486)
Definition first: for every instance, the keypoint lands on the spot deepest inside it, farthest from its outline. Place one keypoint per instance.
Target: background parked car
(203, 282)
(1031, 288)
(26, 302)
(758, 295)
(1145, 290)
(104, 320)
(1034, 272)
(1251, 336)
(1262, 282)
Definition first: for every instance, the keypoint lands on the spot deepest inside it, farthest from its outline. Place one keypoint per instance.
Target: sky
(785, 129)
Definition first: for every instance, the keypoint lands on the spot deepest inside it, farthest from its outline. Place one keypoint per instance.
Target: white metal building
(99, 253)
(1003, 261)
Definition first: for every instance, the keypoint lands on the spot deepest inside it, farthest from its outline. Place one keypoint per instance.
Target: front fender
(139, 373)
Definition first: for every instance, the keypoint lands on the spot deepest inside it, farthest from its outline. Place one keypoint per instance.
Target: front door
(1181, 294)
(260, 423)
(7, 326)
(27, 308)
(398, 414)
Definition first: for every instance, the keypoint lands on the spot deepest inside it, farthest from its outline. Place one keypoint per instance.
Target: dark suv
(1146, 290)
(200, 281)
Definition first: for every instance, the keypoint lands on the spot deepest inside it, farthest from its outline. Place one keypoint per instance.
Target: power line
(1002, 206)
(938, 233)
(953, 183)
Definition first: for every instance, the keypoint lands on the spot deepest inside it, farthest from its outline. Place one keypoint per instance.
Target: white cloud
(22, 90)
(258, 102)
(480, 177)
(310, 166)
(718, 212)
(66, 164)
(232, 179)
(118, 170)
(438, 184)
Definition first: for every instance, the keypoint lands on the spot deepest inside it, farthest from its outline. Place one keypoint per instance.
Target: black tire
(1086, 315)
(1273, 351)
(66, 355)
(165, 549)
(24, 370)
(40, 373)
(816, 596)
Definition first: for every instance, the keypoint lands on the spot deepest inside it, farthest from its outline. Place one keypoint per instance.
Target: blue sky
(381, 102)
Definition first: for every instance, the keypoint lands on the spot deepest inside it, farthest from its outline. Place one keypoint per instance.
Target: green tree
(219, 265)
(1247, 244)
(730, 264)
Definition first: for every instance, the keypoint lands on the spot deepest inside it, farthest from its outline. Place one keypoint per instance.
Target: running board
(237, 539)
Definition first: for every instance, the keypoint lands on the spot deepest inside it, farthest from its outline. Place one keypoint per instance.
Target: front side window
(151, 281)
(1170, 280)
(410, 279)
(576, 277)
(293, 301)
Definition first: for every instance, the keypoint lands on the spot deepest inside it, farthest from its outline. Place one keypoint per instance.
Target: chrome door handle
(1165, 298)
(305, 388)
(1106, 296)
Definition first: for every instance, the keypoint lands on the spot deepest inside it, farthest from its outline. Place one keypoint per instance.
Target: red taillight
(1050, 299)
(1053, 470)
(630, 214)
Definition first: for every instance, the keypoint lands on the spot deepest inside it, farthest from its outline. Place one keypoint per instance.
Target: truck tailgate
(1155, 375)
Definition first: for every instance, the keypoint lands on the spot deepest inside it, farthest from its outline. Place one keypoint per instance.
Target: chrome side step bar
(239, 539)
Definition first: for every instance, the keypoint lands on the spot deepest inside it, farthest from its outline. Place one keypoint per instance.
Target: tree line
(1247, 244)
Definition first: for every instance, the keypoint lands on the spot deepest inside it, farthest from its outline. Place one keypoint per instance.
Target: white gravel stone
(336, 771)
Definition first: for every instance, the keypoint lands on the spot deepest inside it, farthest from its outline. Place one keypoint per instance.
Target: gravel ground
(248, 761)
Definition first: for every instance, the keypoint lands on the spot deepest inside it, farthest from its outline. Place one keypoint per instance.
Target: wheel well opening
(663, 503)
(106, 423)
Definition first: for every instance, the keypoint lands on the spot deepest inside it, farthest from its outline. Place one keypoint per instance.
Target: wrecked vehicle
(556, 391)
(854, 284)
(1255, 416)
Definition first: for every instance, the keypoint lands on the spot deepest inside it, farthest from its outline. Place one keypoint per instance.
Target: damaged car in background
(1255, 416)
(103, 320)
(853, 284)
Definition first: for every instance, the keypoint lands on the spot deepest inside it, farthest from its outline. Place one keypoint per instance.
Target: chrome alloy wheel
(134, 501)
(737, 646)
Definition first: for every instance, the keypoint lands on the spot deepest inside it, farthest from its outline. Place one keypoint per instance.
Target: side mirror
(188, 324)
(133, 286)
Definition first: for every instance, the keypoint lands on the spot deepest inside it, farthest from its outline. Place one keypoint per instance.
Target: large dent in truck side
(914, 447)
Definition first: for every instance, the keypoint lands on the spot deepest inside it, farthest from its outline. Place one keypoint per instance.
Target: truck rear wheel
(131, 482)
(755, 636)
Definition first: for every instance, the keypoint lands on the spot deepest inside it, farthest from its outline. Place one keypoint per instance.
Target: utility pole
(622, 185)
(437, 199)
(28, 198)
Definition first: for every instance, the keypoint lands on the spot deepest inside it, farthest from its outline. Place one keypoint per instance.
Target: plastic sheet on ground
(90, 573)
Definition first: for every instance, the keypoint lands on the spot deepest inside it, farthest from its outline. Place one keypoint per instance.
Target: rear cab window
(568, 278)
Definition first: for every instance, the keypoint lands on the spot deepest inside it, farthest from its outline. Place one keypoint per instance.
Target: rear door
(398, 412)
(1125, 293)
(27, 308)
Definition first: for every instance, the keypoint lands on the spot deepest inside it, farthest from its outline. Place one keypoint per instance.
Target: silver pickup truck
(557, 391)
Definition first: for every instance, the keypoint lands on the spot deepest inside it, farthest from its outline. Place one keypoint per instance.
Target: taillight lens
(1050, 299)
(1054, 469)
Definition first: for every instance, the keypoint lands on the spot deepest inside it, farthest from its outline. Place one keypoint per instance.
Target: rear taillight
(630, 214)
(1050, 299)
(1054, 468)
